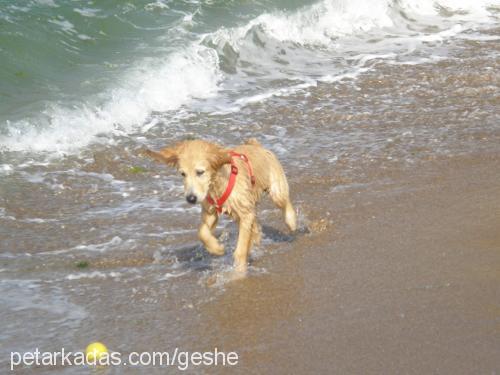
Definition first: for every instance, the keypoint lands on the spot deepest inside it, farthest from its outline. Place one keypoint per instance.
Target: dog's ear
(167, 155)
(219, 158)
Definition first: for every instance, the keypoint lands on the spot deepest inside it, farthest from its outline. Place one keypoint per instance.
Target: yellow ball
(95, 351)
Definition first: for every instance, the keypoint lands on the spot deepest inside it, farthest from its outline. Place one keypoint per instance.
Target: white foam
(170, 275)
(6, 169)
(331, 25)
(50, 3)
(93, 275)
(159, 85)
(115, 241)
(65, 25)
(37, 220)
(467, 9)
(285, 91)
(324, 22)
(327, 20)
(193, 72)
(87, 12)
(3, 214)
(158, 4)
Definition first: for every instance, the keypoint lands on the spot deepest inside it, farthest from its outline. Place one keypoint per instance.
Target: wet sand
(398, 274)
(395, 270)
(405, 278)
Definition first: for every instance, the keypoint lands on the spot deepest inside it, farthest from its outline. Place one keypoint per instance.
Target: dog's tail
(253, 142)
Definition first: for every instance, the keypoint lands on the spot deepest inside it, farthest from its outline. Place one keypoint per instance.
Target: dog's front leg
(208, 223)
(244, 241)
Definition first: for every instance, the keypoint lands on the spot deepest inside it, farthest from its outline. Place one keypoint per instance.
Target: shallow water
(338, 90)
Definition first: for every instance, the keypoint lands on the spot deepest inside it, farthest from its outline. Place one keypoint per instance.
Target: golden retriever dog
(231, 182)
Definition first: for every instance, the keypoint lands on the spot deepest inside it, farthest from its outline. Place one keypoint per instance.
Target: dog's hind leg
(208, 223)
(281, 197)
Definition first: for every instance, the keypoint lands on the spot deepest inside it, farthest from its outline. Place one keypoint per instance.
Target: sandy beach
(386, 118)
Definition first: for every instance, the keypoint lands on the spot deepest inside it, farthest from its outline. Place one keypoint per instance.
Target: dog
(231, 182)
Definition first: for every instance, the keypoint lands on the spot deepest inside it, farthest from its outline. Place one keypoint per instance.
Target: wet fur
(206, 170)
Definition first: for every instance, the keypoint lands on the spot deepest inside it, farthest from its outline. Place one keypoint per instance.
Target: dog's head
(197, 161)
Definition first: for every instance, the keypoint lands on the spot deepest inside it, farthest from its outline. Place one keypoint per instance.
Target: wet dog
(232, 182)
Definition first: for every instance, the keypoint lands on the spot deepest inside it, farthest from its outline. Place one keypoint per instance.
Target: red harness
(232, 181)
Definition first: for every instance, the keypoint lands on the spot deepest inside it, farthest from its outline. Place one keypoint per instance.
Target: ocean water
(95, 239)
(75, 72)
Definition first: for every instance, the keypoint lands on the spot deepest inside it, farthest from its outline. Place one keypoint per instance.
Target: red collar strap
(232, 181)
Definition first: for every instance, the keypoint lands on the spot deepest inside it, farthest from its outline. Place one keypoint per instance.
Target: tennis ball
(95, 351)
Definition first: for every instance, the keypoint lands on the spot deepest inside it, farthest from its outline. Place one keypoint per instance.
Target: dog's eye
(199, 173)
(183, 174)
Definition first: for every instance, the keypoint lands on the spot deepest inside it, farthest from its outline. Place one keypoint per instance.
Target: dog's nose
(191, 198)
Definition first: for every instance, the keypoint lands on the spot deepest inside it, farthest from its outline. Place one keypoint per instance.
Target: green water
(65, 50)
(72, 70)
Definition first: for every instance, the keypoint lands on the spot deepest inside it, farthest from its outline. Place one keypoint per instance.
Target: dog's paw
(239, 272)
(217, 249)
(240, 263)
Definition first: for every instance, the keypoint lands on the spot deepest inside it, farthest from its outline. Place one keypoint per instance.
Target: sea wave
(151, 86)
(290, 45)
